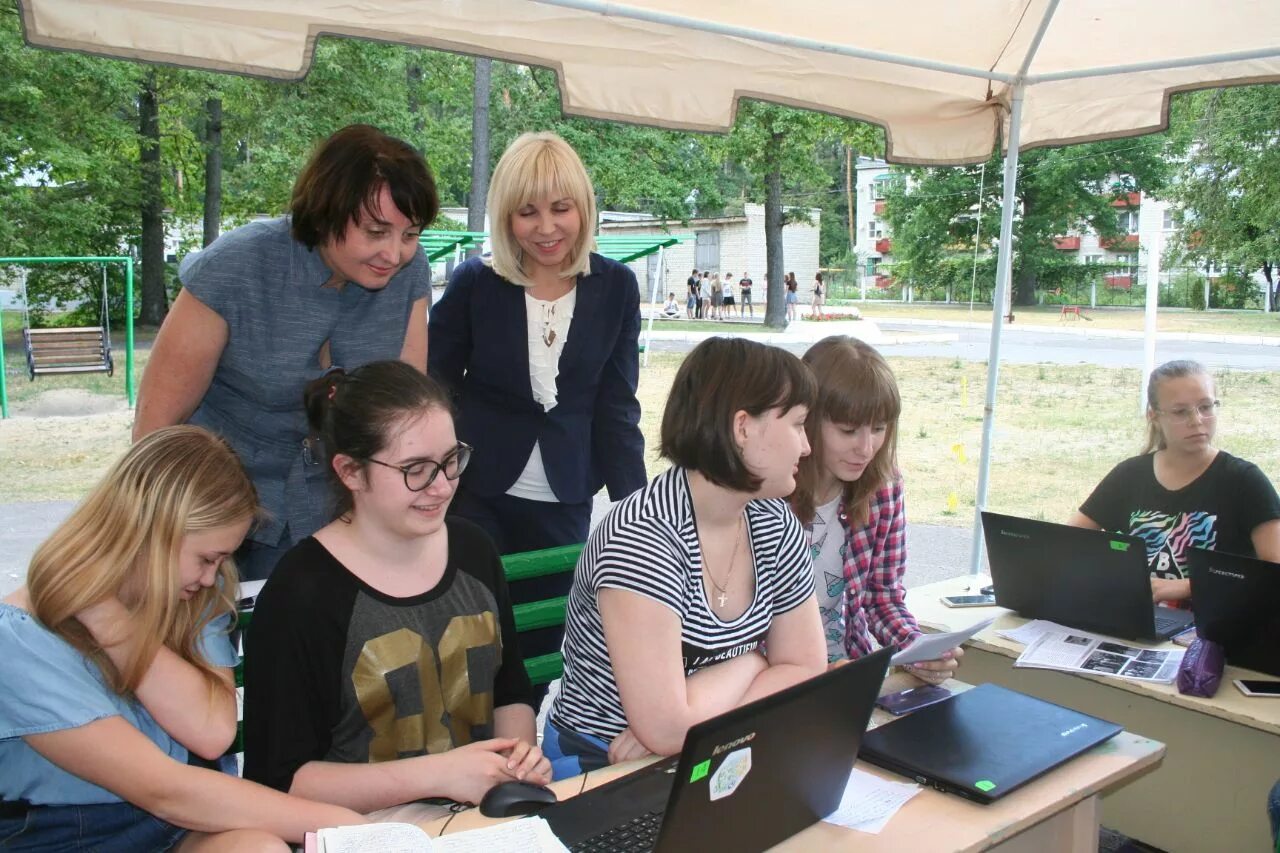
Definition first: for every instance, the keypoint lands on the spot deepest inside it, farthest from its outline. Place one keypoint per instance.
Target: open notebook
(527, 835)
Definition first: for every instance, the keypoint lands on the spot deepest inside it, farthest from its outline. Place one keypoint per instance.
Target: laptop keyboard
(638, 834)
(1168, 623)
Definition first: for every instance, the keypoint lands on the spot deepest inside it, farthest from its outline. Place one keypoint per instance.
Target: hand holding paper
(932, 646)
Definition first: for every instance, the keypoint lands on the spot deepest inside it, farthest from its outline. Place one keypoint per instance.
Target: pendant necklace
(722, 589)
(548, 319)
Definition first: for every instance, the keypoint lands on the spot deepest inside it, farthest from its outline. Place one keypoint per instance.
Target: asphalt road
(1038, 345)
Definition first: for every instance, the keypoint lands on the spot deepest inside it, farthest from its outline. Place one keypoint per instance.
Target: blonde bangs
(537, 166)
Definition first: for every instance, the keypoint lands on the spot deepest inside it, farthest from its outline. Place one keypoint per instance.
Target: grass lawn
(1132, 319)
(1058, 430)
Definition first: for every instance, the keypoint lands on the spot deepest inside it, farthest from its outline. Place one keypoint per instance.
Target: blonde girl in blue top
(117, 668)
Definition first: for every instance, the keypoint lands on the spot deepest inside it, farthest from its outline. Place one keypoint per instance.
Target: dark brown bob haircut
(341, 182)
(718, 379)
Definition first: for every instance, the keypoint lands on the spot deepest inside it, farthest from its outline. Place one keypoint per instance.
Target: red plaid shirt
(875, 560)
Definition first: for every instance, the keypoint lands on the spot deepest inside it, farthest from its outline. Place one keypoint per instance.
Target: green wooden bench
(548, 613)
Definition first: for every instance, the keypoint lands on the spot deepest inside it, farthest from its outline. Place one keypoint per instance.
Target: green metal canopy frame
(128, 318)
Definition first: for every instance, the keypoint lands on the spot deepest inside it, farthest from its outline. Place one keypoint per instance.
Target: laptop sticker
(1117, 545)
(730, 773)
(700, 770)
(985, 785)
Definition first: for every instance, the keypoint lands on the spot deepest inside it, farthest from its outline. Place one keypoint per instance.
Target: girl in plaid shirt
(849, 496)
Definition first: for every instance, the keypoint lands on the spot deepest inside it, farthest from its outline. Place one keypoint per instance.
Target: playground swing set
(78, 349)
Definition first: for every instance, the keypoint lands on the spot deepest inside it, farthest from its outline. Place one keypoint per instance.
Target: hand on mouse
(626, 747)
(467, 773)
(937, 671)
(1167, 589)
(528, 763)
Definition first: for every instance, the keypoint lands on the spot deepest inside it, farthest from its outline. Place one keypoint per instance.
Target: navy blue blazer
(478, 346)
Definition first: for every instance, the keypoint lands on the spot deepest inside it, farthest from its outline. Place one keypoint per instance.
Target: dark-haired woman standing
(267, 308)
(681, 584)
(382, 663)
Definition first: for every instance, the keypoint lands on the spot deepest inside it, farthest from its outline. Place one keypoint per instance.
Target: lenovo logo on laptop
(1078, 728)
(1226, 574)
(725, 747)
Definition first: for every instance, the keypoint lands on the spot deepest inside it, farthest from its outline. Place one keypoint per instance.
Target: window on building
(1127, 264)
(1127, 222)
(707, 250)
(875, 229)
(872, 265)
(878, 187)
(1094, 259)
(1167, 225)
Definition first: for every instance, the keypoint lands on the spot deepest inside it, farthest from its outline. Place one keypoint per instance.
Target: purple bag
(1201, 670)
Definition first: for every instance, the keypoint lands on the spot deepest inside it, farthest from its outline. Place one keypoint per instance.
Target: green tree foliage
(781, 150)
(933, 212)
(1228, 189)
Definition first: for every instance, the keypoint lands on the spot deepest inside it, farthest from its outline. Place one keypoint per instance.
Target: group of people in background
(294, 424)
(711, 296)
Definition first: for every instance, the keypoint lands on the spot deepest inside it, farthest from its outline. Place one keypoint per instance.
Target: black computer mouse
(509, 799)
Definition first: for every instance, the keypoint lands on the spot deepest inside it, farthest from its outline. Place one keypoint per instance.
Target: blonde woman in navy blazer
(539, 345)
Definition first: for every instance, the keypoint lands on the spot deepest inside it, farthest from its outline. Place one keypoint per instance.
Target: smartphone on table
(905, 701)
(968, 600)
(1259, 688)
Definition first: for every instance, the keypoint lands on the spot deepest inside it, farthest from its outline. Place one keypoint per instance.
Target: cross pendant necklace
(722, 589)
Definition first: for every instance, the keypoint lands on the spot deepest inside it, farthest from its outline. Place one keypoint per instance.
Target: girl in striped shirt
(684, 581)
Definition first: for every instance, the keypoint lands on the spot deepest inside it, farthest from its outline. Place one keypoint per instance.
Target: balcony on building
(1066, 244)
(1119, 244)
(884, 245)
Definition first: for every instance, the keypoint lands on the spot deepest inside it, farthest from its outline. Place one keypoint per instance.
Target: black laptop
(1087, 579)
(1237, 604)
(744, 781)
(983, 743)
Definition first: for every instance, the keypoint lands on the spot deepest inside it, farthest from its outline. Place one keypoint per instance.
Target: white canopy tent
(947, 81)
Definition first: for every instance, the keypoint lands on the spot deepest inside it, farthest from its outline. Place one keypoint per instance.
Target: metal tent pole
(653, 297)
(1004, 263)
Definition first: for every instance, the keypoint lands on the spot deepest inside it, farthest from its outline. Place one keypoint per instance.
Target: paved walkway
(936, 552)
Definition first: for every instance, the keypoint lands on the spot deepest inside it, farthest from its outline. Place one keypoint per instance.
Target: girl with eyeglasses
(382, 665)
(1183, 492)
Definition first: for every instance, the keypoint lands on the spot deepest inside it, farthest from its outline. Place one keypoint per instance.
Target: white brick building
(728, 244)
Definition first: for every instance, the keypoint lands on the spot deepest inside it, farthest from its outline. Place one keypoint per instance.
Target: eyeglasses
(1186, 414)
(420, 475)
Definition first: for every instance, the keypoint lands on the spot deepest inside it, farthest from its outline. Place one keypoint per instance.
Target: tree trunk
(155, 303)
(848, 194)
(413, 77)
(212, 170)
(480, 88)
(775, 311)
(1273, 289)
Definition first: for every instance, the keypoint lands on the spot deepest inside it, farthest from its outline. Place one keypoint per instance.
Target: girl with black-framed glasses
(381, 665)
(1183, 491)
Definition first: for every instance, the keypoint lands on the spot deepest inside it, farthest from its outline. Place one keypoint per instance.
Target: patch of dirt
(56, 445)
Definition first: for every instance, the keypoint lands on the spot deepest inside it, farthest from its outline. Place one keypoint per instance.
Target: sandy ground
(54, 444)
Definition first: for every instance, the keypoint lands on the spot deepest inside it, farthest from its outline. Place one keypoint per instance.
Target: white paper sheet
(382, 837)
(869, 802)
(1031, 631)
(529, 835)
(931, 646)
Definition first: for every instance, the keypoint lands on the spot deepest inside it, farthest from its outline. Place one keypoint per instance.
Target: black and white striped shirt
(648, 544)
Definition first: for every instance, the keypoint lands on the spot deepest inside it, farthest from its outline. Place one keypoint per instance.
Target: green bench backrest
(542, 669)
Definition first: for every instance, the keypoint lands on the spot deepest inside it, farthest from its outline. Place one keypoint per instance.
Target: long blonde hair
(1169, 370)
(124, 540)
(855, 386)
